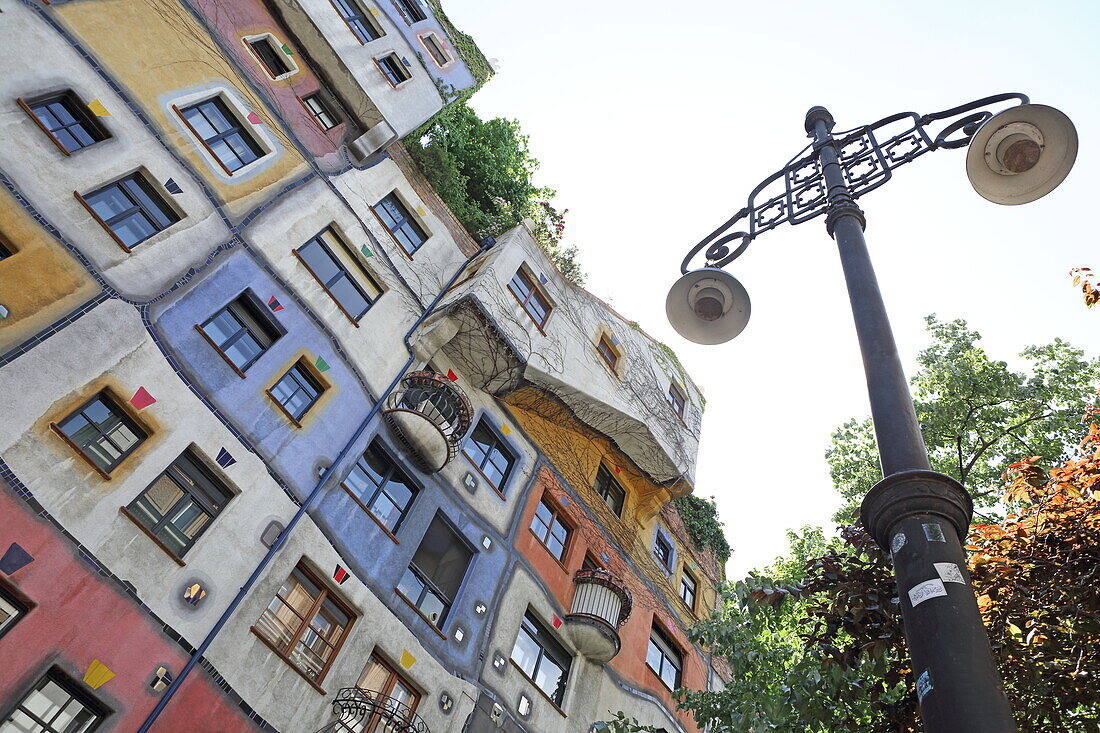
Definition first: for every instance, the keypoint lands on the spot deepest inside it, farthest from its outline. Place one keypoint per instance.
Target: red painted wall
(587, 537)
(79, 616)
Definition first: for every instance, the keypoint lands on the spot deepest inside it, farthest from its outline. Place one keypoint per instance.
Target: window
(360, 23)
(241, 332)
(319, 111)
(222, 134)
(319, 257)
(305, 624)
(541, 658)
(436, 573)
(676, 400)
(490, 454)
(611, 490)
(662, 549)
(102, 432)
(411, 10)
(57, 704)
(435, 49)
(382, 678)
(381, 487)
(179, 505)
(130, 209)
(392, 68)
(399, 220)
(530, 297)
(688, 588)
(664, 658)
(550, 529)
(6, 249)
(608, 351)
(271, 56)
(67, 121)
(11, 610)
(296, 391)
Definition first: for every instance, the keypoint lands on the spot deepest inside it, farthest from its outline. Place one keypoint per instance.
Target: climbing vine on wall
(701, 521)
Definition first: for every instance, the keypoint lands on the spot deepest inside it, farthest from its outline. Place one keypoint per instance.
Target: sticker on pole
(933, 532)
(949, 572)
(921, 592)
(924, 684)
(897, 543)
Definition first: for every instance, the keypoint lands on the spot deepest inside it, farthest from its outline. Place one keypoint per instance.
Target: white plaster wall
(39, 61)
(405, 107)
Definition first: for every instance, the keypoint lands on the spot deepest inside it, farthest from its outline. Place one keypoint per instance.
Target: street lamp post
(920, 516)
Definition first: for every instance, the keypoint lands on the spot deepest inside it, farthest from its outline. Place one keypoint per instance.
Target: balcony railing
(359, 710)
(430, 414)
(601, 604)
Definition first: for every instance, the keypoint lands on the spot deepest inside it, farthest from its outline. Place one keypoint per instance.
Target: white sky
(655, 120)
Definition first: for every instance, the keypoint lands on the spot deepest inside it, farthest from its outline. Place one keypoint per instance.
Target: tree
(976, 414)
(483, 170)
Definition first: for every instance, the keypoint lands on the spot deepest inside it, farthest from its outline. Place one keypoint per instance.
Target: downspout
(486, 244)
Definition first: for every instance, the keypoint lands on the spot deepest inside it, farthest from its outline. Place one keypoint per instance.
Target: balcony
(359, 710)
(429, 414)
(601, 603)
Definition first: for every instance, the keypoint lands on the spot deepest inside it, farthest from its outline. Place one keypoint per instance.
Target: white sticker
(897, 543)
(933, 532)
(924, 685)
(949, 572)
(920, 593)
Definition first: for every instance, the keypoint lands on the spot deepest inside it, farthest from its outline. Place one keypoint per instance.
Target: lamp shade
(708, 306)
(1021, 154)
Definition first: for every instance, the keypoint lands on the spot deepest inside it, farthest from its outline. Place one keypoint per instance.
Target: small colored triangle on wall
(505, 429)
(366, 251)
(97, 674)
(14, 558)
(542, 278)
(420, 210)
(225, 459)
(340, 575)
(173, 187)
(287, 51)
(274, 304)
(142, 399)
(618, 470)
(452, 376)
(98, 109)
(407, 660)
(374, 11)
(321, 364)
(555, 621)
(254, 118)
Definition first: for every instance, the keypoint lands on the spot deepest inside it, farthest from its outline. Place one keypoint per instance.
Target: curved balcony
(601, 603)
(359, 710)
(429, 414)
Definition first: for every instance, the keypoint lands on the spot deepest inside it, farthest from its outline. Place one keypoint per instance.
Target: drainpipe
(486, 244)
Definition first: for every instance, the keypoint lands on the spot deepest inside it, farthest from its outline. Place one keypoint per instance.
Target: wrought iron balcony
(601, 604)
(430, 415)
(359, 710)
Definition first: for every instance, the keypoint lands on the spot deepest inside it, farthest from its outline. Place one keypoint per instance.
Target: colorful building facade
(283, 447)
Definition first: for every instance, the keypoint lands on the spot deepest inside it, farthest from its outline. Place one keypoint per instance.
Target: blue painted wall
(458, 76)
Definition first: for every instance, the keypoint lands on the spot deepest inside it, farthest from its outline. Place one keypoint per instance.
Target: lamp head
(708, 306)
(1021, 154)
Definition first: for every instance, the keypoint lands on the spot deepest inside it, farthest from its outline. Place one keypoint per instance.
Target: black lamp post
(919, 515)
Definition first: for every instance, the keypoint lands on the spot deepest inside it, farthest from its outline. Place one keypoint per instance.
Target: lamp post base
(922, 518)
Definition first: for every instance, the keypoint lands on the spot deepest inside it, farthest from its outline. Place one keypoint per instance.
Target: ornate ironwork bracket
(868, 156)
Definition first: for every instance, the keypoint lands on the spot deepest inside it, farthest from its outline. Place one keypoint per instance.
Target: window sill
(84, 456)
(220, 352)
(538, 689)
(290, 664)
(370, 514)
(156, 540)
(420, 613)
(486, 478)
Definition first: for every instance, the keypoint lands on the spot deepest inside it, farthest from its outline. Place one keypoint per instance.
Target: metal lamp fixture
(920, 516)
(708, 306)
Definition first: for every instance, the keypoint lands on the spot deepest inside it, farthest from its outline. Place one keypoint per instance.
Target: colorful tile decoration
(142, 399)
(161, 679)
(254, 118)
(98, 674)
(407, 659)
(321, 364)
(172, 187)
(555, 621)
(452, 376)
(15, 558)
(192, 594)
(274, 304)
(225, 459)
(98, 109)
(505, 429)
(340, 575)
(287, 51)
(366, 251)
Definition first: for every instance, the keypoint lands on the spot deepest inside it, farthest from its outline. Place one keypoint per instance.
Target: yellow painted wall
(40, 282)
(576, 451)
(157, 51)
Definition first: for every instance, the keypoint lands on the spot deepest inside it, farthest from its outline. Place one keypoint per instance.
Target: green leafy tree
(976, 414)
(484, 172)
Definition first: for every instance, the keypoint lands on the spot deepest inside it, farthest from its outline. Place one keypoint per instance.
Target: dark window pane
(102, 432)
(69, 121)
(318, 254)
(223, 134)
(320, 111)
(272, 57)
(381, 487)
(412, 10)
(180, 503)
(297, 391)
(131, 209)
(542, 658)
(401, 224)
